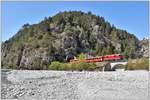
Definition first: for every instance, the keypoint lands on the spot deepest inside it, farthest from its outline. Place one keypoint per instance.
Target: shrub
(67, 66)
(92, 66)
(64, 66)
(83, 66)
(56, 65)
(81, 56)
(139, 64)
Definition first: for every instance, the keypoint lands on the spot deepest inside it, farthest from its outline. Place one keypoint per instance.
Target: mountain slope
(65, 34)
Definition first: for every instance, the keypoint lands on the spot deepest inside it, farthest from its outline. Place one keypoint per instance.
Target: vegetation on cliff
(138, 64)
(67, 33)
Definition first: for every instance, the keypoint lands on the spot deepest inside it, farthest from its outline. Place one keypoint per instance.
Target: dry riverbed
(63, 85)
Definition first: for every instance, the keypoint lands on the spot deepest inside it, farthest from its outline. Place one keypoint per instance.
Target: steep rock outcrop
(144, 47)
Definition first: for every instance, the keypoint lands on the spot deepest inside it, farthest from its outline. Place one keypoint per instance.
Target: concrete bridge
(110, 66)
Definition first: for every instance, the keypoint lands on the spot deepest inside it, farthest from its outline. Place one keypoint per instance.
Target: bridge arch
(114, 64)
(111, 66)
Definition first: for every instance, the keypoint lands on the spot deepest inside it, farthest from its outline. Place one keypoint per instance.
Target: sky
(127, 15)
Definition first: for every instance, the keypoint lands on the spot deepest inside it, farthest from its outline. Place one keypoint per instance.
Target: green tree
(81, 56)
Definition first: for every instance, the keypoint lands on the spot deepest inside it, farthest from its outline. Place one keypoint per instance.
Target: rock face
(54, 38)
(34, 58)
(144, 47)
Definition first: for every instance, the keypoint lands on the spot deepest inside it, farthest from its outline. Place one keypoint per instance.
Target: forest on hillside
(67, 33)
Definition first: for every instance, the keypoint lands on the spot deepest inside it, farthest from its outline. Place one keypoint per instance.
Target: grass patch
(67, 66)
(138, 64)
(55, 65)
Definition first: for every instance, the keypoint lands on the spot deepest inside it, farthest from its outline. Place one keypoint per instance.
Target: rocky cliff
(144, 47)
(66, 33)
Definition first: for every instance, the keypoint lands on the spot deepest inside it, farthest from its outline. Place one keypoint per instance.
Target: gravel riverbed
(67, 85)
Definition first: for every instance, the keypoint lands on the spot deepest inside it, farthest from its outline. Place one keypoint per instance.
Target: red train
(100, 58)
